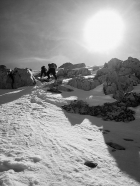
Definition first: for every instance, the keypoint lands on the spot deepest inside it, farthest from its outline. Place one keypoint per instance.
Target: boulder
(102, 78)
(61, 72)
(119, 77)
(2, 67)
(84, 84)
(102, 71)
(21, 77)
(125, 71)
(109, 89)
(117, 111)
(5, 80)
(66, 65)
(134, 64)
(95, 68)
(115, 64)
(69, 73)
(77, 72)
(74, 66)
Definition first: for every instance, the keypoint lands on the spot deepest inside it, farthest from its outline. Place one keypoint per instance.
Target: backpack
(52, 65)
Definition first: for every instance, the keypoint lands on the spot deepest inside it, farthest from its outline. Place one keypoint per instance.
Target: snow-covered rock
(5, 80)
(119, 77)
(109, 88)
(66, 65)
(134, 64)
(114, 64)
(23, 77)
(95, 68)
(20, 77)
(78, 65)
(73, 72)
(84, 84)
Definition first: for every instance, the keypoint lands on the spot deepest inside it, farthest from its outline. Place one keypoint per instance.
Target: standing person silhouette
(11, 75)
(52, 70)
(43, 71)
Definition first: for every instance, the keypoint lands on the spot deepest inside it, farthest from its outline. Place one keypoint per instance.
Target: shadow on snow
(10, 95)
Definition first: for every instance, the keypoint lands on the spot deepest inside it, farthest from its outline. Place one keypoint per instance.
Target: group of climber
(51, 70)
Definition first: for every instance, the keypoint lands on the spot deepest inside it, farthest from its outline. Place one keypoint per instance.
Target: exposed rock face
(66, 65)
(2, 67)
(79, 65)
(95, 68)
(61, 72)
(119, 77)
(134, 64)
(114, 64)
(69, 73)
(102, 71)
(21, 77)
(5, 80)
(81, 71)
(57, 87)
(122, 83)
(131, 99)
(109, 88)
(72, 66)
(117, 111)
(84, 84)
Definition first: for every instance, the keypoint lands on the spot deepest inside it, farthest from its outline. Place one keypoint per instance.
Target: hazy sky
(36, 32)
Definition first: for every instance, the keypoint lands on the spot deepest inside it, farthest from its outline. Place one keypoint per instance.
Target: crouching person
(52, 70)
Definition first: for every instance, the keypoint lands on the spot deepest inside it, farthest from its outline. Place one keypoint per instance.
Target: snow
(41, 144)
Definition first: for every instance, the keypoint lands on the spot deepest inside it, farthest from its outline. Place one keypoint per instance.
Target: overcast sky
(36, 32)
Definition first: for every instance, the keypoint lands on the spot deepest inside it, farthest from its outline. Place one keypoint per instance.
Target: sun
(104, 31)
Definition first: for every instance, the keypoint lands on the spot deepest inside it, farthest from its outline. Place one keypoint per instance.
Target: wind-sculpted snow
(41, 96)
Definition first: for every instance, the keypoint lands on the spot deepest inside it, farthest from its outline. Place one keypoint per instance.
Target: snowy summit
(43, 144)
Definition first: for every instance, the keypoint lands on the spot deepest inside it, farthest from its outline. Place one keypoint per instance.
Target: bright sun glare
(104, 31)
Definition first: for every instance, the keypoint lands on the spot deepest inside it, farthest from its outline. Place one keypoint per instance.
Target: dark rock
(16, 78)
(66, 65)
(89, 139)
(119, 77)
(117, 111)
(90, 164)
(78, 65)
(95, 68)
(54, 90)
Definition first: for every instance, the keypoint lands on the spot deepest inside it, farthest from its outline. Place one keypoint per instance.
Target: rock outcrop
(117, 111)
(23, 77)
(69, 73)
(72, 66)
(119, 77)
(95, 68)
(5, 80)
(83, 83)
(79, 65)
(19, 78)
(66, 65)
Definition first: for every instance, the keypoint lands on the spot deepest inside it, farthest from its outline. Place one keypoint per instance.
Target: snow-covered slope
(41, 144)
